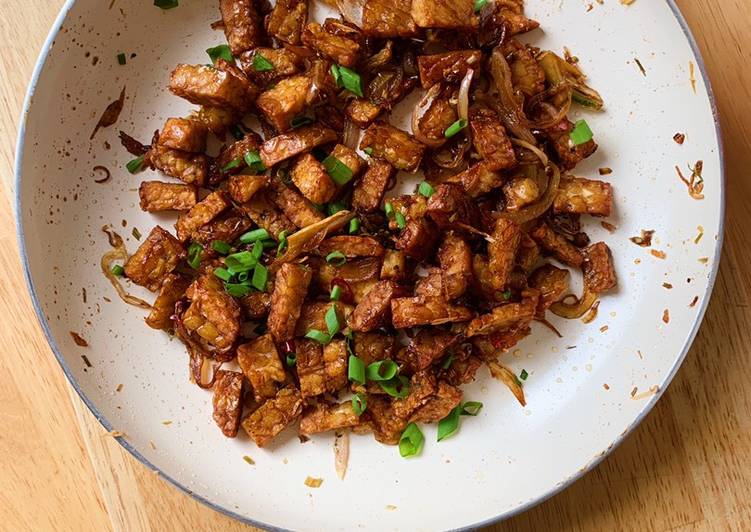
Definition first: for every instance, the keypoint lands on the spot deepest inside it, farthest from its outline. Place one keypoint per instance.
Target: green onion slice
(411, 441)
(243, 277)
(455, 128)
(136, 165)
(368, 151)
(291, 359)
(335, 207)
(165, 4)
(319, 336)
(339, 172)
(396, 387)
(255, 234)
(223, 274)
(121, 59)
(354, 226)
(282, 247)
(450, 424)
(257, 251)
(300, 121)
(350, 80)
(118, 270)
(260, 277)
(222, 51)
(479, 4)
(359, 403)
(332, 321)
(237, 289)
(242, 261)
(446, 364)
(337, 258)
(389, 209)
(337, 75)
(235, 163)
(261, 64)
(336, 293)
(195, 250)
(254, 162)
(401, 221)
(581, 133)
(383, 370)
(221, 247)
(425, 189)
(356, 369)
(471, 408)
(523, 375)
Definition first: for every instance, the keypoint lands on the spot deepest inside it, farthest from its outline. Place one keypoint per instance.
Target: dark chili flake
(78, 339)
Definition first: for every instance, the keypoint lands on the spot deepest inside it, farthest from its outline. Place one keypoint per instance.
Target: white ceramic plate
(584, 392)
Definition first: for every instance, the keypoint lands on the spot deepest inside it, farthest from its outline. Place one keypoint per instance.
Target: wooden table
(688, 466)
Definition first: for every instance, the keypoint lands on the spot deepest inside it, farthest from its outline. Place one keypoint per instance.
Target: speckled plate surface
(584, 392)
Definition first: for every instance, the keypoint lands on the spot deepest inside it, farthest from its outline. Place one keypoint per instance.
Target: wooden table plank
(686, 467)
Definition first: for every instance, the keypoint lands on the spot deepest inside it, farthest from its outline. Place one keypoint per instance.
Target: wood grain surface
(687, 467)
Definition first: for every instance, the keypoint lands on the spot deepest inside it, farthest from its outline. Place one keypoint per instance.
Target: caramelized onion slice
(108, 260)
(310, 236)
(543, 204)
(577, 308)
(507, 377)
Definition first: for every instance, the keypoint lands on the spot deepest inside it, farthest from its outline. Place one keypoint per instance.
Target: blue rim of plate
(505, 515)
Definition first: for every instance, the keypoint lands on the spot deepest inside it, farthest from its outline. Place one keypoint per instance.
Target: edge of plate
(18, 167)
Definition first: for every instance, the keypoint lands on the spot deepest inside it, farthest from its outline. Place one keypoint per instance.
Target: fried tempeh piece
(226, 227)
(287, 20)
(158, 196)
(373, 346)
(520, 192)
(285, 62)
(338, 48)
(569, 154)
(446, 398)
(490, 140)
(187, 167)
(351, 246)
(422, 386)
(290, 287)
(450, 67)
(273, 416)
(294, 205)
(213, 317)
(599, 272)
(264, 213)
(323, 418)
(429, 346)
(504, 317)
(363, 112)
(216, 119)
(286, 100)
(335, 364)
(313, 315)
(449, 204)
(373, 311)
(414, 311)
(431, 285)
(171, 291)
(310, 368)
(228, 388)
(447, 14)
(584, 196)
(394, 265)
(369, 190)
(387, 427)
(397, 147)
(232, 155)
(312, 179)
(418, 239)
(502, 252)
(154, 259)
(206, 85)
(184, 134)
(477, 180)
(552, 282)
(281, 147)
(556, 244)
(438, 117)
(526, 73)
(242, 187)
(241, 25)
(261, 365)
(202, 213)
(510, 13)
(388, 19)
(256, 305)
(349, 158)
(455, 258)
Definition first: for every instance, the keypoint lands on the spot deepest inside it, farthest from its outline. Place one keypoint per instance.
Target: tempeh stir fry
(341, 304)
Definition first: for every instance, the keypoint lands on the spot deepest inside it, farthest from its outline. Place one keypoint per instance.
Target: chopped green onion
(235, 163)
(349, 79)
(165, 4)
(581, 133)
(333, 208)
(389, 209)
(195, 250)
(383, 370)
(471, 408)
(136, 233)
(236, 131)
(396, 387)
(523, 375)
(368, 151)
(425, 189)
(223, 274)
(300, 121)
(339, 172)
(257, 251)
(411, 441)
(255, 234)
(260, 277)
(136, 165)
(282, 247)
(332, 321)
(359, 403)
(479, 4)
(261, 64)
(268, 244)
(319, 336)
(242, 261)
(337, 258)
(254, 162)
(356, 369)
(121, 59)
(237, 290)
(401, 221)
(243, 277)
(222, 51)
(354, 226)
(455, 128)
(118, 270)
(291, 359)
(336, 293)
(221, 247)
(337, 75)
(446, 364)
(450, 424)
(506, 295)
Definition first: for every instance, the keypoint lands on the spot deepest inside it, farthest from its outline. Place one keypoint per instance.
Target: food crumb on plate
(666, 316)
(249, 460)
(313, 482)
